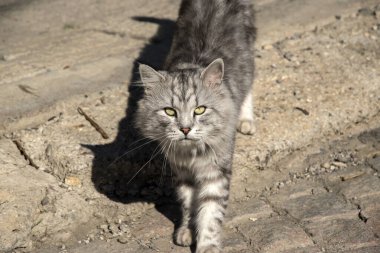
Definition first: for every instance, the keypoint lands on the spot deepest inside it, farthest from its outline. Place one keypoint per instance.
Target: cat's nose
(185, 130)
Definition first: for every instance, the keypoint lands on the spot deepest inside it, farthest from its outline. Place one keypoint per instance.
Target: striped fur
(206, 30)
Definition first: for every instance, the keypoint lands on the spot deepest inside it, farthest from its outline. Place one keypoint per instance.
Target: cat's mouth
(187, 139)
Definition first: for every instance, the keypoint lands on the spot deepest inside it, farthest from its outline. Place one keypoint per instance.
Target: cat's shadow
(123, 170)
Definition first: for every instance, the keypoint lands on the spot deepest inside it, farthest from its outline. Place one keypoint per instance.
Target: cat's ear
(213, 75)
(149, 76)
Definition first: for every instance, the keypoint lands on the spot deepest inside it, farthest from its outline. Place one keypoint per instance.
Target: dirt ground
(307, 181)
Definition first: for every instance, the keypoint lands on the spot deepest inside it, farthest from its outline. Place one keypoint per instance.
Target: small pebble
(123, 239)
(72, 181)
(45, 201)
(104, 227)
(267, 47)
(339, 164)
(289, 56)
(326, 165)
(113, 229)
(123, 228)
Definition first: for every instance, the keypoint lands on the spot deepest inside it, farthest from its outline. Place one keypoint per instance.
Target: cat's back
(210, 29)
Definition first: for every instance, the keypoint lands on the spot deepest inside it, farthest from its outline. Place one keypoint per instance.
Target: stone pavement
(54, 50)
(307, 181)
(328, 203)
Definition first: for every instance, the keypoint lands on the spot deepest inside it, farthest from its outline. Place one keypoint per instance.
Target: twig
(302, 110)
(27, 89)
(93, 123)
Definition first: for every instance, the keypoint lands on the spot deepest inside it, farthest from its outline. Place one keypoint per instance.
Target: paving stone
(29, 206)
(300, 202)
(364, 249)
(300, 189)
(154, 224)
(359, 186)
(373, 220)
(166, 245)
(246, 211)
(341, 234)
(22, 188)
(233, 241)
(335, 179)
(275, 234)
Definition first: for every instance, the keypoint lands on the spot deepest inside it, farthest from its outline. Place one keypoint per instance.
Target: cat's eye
(170, 111)
(200, 110)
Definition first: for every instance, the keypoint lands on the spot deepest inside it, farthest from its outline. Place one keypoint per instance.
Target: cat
(193, 106)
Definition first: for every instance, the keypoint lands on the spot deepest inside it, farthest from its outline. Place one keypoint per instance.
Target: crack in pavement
(24, 154)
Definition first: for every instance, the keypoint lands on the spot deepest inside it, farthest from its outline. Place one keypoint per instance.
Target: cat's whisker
(171, 169)
(162, 150)
(165, 160)
(151, 158)
(130, 145)
(156, 137)
(174, 156)
(129, 151)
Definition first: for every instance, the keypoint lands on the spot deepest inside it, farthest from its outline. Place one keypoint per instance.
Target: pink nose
(185, 130)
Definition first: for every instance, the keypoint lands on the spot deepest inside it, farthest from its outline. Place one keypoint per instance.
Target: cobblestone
(342, 234)
(275, 234)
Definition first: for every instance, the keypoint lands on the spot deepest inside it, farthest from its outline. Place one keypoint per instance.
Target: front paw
(246, 126)
(183, 236)
(208, 249)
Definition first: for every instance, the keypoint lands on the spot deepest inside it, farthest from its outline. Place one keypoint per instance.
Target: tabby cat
(194, 105)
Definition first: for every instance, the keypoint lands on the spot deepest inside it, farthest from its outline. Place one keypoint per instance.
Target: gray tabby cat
(194, 106)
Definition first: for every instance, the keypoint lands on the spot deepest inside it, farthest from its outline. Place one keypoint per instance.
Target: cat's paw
(183, 236)
(246, 126)
(209, 249)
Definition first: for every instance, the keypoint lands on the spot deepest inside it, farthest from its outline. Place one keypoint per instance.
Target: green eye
(170, 111)
(200, 110)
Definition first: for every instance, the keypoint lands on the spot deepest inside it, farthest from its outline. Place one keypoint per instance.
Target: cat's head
(188, 107)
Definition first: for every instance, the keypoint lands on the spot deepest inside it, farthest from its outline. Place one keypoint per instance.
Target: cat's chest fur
(192, 160)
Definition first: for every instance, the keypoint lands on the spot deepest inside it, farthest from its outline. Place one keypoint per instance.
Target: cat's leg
(183, 235)
(246, 125)
(212, 199)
